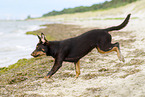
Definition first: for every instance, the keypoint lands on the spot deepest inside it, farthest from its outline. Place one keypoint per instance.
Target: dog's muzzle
(38, 53)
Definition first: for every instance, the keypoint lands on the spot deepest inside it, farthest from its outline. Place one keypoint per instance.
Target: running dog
(73, 49)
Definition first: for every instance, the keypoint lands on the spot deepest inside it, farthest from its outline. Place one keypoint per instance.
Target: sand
(106, 76)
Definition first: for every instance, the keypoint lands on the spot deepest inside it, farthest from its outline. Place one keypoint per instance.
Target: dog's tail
(125, 22)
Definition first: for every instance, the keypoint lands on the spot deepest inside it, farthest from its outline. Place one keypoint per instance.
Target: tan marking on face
(38, 53)
(43, 50)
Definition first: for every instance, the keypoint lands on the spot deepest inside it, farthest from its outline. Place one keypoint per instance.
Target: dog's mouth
(38, 54)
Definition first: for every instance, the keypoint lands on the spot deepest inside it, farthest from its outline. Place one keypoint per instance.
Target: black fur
(73, 49)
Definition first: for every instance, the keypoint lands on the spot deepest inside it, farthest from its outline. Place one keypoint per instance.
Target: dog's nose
(32, 54)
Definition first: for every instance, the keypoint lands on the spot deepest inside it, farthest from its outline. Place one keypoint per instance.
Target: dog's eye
(39, 48)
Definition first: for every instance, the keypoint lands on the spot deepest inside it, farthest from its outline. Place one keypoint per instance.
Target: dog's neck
(53, 47)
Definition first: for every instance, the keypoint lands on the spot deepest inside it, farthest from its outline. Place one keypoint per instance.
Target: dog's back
(79, 46)
(83, 44)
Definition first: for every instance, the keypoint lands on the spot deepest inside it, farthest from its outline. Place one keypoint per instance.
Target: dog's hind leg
(77, 68)
(120, 56)
(110, 48)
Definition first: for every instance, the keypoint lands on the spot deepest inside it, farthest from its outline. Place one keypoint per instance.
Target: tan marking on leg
(121, 58)
(77, 67)
(104, 52)
(46, 77)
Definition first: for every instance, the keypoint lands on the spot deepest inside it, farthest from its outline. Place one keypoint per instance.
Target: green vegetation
(28, 17)
(37, 32)
(105, 5)
(20, 63)
(119, 18)
(25, 69)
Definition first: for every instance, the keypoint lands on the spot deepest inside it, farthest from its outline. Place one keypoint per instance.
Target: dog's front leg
(56, 66)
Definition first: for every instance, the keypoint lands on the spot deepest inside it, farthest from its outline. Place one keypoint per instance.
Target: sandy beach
(102, 75)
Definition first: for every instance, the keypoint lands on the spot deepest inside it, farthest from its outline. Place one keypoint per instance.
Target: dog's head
(41, 48)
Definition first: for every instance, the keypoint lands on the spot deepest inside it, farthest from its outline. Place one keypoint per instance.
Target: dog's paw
(121, 58)
(46, 78)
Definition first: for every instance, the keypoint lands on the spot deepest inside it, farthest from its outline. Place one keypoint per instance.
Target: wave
(15, 44)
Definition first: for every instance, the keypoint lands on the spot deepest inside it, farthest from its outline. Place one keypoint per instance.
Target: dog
(73, 49)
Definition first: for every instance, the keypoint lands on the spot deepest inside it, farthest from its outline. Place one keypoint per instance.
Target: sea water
(14, 43)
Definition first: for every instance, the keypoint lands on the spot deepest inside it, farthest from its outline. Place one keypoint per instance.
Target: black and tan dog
(73, 49)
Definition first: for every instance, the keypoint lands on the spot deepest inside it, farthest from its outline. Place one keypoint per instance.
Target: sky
(20, 9)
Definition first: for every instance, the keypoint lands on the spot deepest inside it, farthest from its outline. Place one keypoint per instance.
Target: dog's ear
(39, 38)
(43, 39)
